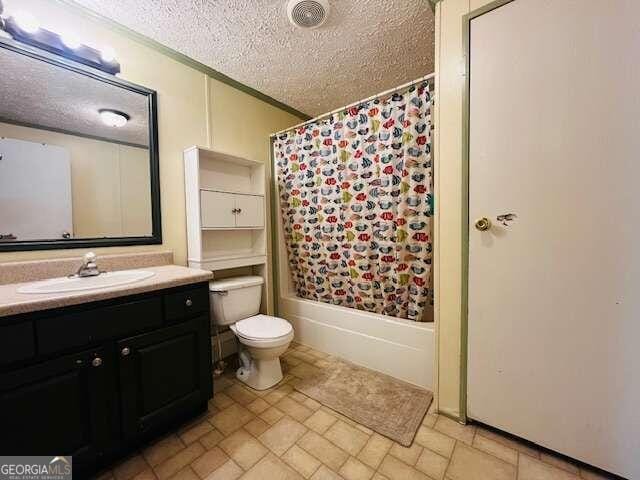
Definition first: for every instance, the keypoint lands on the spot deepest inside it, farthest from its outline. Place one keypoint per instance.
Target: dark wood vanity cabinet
(161, 374)
(57, 406)
(100, 377)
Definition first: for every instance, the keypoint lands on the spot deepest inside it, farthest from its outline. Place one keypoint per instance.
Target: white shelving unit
(226, 210)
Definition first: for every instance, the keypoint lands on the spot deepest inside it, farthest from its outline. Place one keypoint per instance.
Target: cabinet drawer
(187, 303)
(16, 342)
(78, 329)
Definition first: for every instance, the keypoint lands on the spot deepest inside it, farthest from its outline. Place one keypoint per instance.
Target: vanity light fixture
(113, 118)
(71, 41)
(108, 54)
(26, 22)
(24, 27)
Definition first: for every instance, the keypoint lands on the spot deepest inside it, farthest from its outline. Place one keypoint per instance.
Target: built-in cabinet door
(231, 210)
(249, 211)
(218, 209)
(60, 407)
(164, 374)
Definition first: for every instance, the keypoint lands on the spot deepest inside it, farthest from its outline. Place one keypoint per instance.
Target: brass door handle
(483, 224)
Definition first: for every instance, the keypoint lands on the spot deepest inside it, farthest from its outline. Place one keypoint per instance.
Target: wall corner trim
(180, 57)
(432, 4)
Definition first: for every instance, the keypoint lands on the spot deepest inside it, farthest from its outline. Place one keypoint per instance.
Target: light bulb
(113, 118)
(26, 22)
(108, 54)
(71, 41)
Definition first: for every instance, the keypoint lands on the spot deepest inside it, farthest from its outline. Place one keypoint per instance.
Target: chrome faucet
(89, 267)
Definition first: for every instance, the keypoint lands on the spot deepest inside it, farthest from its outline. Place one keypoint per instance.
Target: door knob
(483, 224)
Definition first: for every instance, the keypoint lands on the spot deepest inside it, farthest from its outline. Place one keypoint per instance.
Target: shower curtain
(356, 201)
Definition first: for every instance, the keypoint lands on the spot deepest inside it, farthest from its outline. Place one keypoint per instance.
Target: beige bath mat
(386, 405)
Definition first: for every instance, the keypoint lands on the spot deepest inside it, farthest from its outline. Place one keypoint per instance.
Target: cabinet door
(164, 376)
(217, 209)
(60, 407)
(250, 210)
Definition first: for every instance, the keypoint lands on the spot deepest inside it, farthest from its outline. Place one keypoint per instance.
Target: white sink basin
(76, 284)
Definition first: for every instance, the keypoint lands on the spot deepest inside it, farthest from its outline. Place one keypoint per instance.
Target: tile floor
(282, 434)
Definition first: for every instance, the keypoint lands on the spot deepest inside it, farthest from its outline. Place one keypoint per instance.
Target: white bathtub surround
(401, 348)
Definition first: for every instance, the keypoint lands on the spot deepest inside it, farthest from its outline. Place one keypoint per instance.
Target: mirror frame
(154, 158)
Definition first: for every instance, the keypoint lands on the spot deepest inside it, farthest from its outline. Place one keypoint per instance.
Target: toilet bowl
(235, 302)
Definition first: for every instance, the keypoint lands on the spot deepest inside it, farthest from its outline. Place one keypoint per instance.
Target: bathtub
(403, 349)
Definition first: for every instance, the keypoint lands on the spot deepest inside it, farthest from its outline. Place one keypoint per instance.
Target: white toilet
(235, 302)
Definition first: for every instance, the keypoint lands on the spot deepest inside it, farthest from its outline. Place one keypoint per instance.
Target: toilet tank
(235, 298)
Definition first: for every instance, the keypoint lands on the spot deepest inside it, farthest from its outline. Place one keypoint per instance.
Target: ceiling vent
(308, 13)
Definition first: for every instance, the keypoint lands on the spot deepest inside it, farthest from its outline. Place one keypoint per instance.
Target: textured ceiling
(38, 93)
(365, 47)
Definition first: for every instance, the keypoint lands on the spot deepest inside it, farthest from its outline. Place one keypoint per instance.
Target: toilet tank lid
(234, 283)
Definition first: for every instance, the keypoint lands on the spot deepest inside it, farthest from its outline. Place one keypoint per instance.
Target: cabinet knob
(96, 362)
(125, 351)
(188, 302)
(235, 210)
(239, 210)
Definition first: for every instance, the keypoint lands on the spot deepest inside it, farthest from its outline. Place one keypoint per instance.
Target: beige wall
(184, 117)
(110, 184)
(241, 124)
(448, 164)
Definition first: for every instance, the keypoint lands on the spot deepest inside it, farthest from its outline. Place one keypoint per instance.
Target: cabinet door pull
(96, 362)
(188, 302)
(239, 210)
(125, 351)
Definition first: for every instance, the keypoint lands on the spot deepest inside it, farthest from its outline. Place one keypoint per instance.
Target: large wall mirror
(78, 155)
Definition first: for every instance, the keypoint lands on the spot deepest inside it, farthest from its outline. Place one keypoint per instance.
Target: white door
(218, 209)
(250, 210)
(35, 191)
(554, 297)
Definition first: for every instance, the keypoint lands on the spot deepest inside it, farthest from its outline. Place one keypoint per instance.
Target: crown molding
(180, 57)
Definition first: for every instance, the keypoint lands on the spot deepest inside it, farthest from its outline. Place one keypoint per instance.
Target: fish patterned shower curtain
(357, 205)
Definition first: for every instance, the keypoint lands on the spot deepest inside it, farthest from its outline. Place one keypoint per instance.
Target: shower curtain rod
(373, 97)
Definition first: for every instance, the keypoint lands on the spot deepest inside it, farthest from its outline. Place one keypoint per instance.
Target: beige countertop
(166, 276)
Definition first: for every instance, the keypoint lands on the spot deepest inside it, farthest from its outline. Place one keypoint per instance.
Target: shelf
(229, 229)
(226, 205)
(232, 192)
(208, 153)
(229, 261)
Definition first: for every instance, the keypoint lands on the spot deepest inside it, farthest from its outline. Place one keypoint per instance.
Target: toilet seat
(263, 327)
